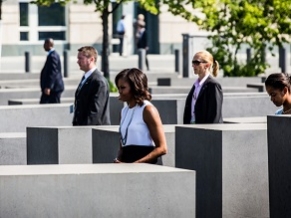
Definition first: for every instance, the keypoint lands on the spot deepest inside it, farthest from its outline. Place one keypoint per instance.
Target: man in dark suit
(142, 42)
(92, 94)
(51, 79)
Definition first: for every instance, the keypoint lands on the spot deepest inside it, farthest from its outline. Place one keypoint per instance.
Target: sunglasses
(196, 62)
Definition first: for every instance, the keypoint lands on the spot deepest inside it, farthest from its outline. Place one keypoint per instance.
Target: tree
(259, 24)
(1, 9)
(103, 6)
(1, 1)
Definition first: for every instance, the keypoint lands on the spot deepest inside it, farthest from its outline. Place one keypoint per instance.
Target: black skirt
(132, 153)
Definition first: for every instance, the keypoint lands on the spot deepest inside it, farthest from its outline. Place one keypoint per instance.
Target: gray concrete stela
(225, 166)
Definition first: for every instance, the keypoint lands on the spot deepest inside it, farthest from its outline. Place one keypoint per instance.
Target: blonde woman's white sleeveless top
(133, 129)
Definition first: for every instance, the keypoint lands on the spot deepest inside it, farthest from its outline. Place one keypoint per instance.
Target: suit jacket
(51, 74)
(142, 41)
(208, 107)
(92, 101)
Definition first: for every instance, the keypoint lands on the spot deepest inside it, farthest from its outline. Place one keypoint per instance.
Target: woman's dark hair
(138, 83)
(279, 81)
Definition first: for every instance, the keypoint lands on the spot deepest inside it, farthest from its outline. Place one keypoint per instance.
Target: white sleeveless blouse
(133, 129)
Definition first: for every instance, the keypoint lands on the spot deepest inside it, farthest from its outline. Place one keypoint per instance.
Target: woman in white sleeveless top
(142, 137)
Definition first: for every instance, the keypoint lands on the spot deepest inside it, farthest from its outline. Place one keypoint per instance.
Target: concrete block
(170, 110)
(235, 105)
(231, 162)
(6, 94)
(106, 144)
(18, 76)
(34, 83)
(25, 101)
(164, 81)
(279, 153)
(245, 120)
(169, 90)
(17, 118)
(96, 190)
(185, 89)
(115, 108)
(152, 76)
(259, 86)
(224, 81)
(169, 96)
(115, 105)
(59, 145)
(247, 106)
(244, 94)
(12, 148)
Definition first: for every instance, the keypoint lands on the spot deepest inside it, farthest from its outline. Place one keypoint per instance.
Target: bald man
(51, 79)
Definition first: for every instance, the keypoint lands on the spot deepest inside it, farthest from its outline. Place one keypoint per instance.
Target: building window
(53, 15)
(23, 36)
(23, 11)
(61, 35)
(40, 22)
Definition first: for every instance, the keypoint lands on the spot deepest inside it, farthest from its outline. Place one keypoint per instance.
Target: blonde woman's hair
(207, 57)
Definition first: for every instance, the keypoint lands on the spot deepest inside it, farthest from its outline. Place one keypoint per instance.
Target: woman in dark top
(204, 101)
(278, 86)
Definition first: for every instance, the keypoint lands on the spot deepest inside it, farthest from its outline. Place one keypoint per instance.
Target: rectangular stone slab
(279, 156)
(231, 162)
(96, 190)
(106, 144)
(13, 148)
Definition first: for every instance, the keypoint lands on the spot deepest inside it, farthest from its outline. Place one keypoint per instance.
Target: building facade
(24, 27)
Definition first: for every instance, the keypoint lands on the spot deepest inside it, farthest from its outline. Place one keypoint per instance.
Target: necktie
(81, 83)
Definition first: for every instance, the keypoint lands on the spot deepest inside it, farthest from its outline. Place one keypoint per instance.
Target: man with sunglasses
(204, 101)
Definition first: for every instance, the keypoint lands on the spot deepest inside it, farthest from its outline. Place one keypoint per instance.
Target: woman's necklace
(124, 139)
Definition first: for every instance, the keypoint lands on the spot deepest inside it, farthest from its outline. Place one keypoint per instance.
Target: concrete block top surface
(35, 106)
(280, 116)
(13, 135)
(169, 128)
(244, 94)
(27, 89)
(113, 94)
(175, 96)
(246, 120)
(115, 128)
(36, 99)
(71, 127)
(226, 94)
(226, 127)
(85, 169)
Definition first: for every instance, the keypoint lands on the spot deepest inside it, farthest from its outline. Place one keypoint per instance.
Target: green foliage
(102, 6)
(112, 86)
(49, 2)
(260, 25)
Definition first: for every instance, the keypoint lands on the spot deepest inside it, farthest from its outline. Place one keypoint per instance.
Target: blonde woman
(204, 101)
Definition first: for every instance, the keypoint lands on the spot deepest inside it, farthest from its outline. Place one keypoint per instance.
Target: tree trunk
(105, 44)
(1, 26)
(1, 9)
